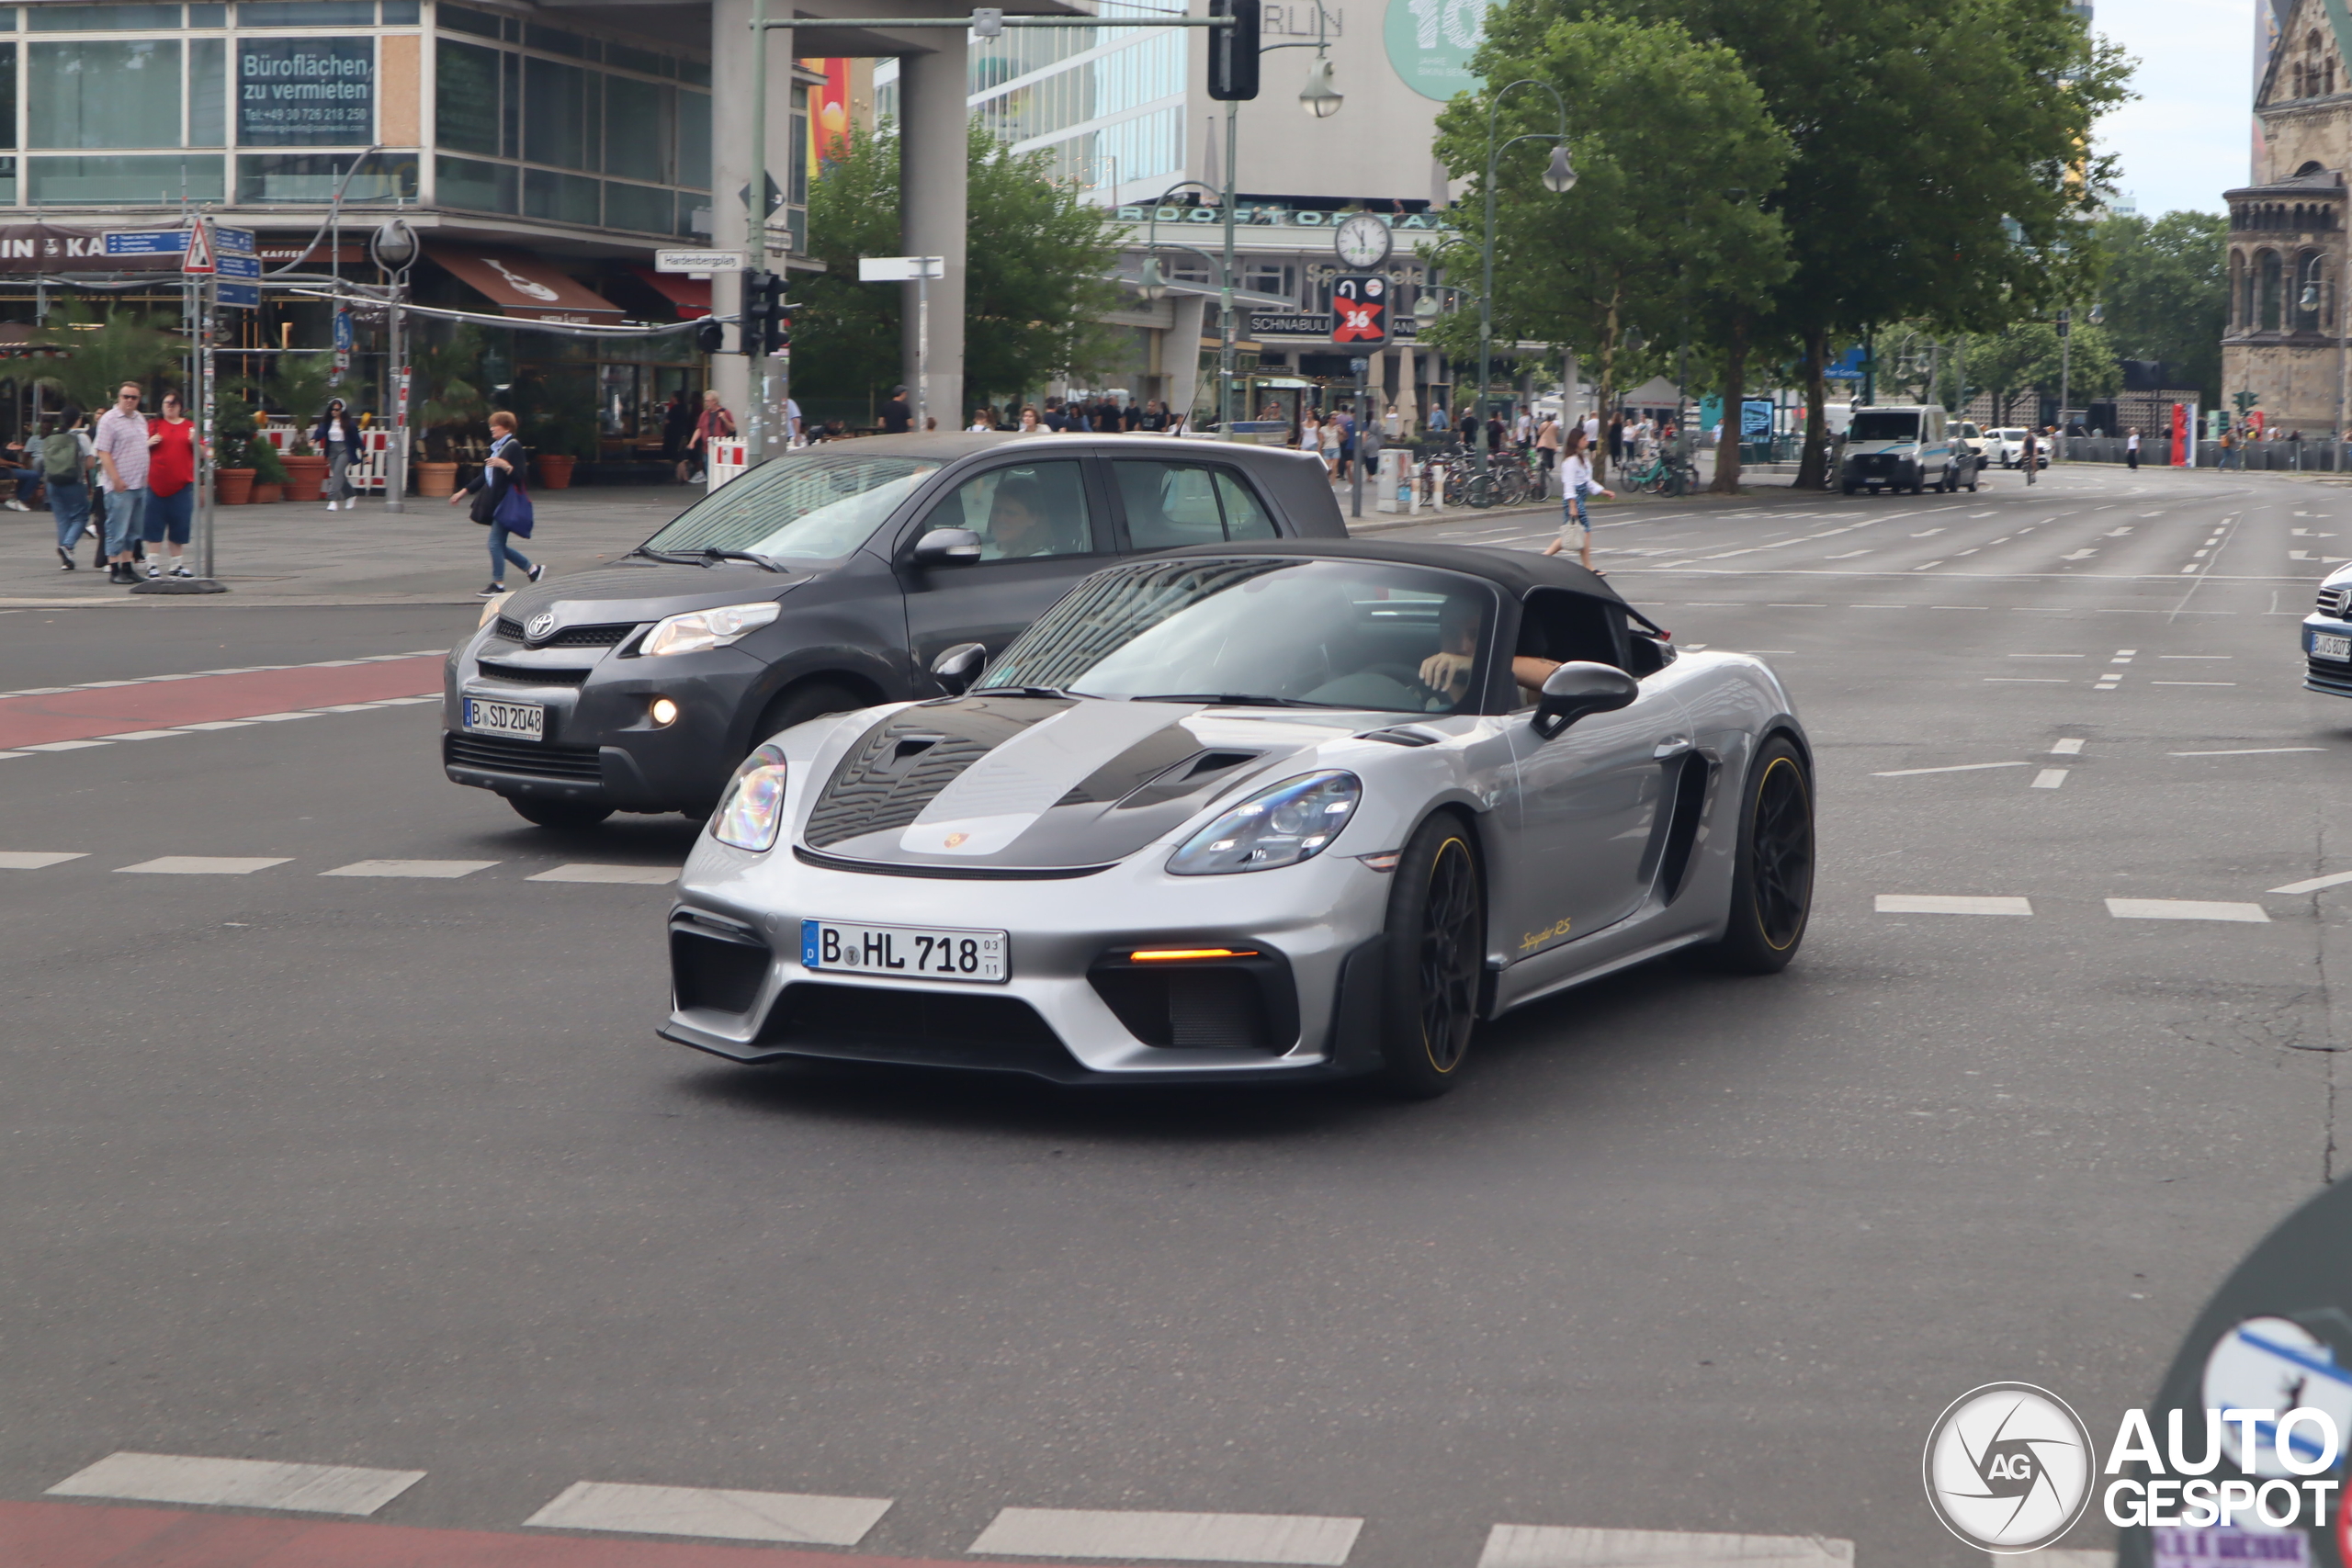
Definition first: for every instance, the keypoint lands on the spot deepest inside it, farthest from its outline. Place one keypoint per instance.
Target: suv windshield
(1280, 633)
(1884, 425)
(816, 505)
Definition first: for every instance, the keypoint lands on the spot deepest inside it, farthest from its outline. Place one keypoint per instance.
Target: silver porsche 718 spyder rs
(1266, 811)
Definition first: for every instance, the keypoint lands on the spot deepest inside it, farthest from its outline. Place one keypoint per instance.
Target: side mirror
(961, 665)
(1577, 689)
(942, 546)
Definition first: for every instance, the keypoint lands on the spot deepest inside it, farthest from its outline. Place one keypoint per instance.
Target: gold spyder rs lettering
(1551, 933)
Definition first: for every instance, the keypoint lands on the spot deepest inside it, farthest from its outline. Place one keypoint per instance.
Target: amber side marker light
(1176, 954)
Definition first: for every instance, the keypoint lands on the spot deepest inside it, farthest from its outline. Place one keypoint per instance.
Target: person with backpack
(64, 465)
(498, 480)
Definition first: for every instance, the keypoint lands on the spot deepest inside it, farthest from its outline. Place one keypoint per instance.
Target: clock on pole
(1363, 241)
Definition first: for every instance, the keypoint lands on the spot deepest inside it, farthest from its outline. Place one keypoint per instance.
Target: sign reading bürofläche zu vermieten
(306, 92)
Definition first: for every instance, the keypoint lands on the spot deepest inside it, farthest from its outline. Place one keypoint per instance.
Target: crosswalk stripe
(1950, 904)
(34, 860)
(706, 1511)
(1169, 1538)
(439, 868)
(239, 1482)
(586, 871)
(205, 866)
(2186, 910)
(142, 734)
(1566, 1546)
(62, 746)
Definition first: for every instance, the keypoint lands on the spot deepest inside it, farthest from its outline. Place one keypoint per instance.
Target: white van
(1897, 446)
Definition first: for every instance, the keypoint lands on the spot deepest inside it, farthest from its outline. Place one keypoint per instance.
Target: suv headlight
(1281, 825)
(699, 629)
(750, 814)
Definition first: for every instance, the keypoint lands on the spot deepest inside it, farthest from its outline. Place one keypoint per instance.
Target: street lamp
(1318, 97)
(1558, 175)
(2309, 301)
(1153, 283)
(395, 249)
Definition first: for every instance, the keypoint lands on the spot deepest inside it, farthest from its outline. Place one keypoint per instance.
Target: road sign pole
(396, 455)
(207, 314)
(922, 345)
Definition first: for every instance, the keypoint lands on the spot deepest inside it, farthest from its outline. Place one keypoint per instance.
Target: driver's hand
(1447, 672)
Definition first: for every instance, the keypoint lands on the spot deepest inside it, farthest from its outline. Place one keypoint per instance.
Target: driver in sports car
(1447, 671)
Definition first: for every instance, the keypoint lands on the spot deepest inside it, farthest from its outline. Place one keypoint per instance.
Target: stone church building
(2287, 238)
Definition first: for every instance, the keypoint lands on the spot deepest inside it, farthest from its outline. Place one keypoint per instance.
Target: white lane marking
(1566, 1546)
(403, 702)
(2192, 682)
(2196, 656)
(1974, 515)
(1169, 1538)
(2188, 568)
(15, 753)
(586, 871)
(2196, 555)
(2071, 747)
(2247, 751)
(1849, 555)
(341, 707)
(1779, 606)
(1950, 904)
(221, 723)
(2125, 652)
(2336, 879)
(282, 718)
(708, 1511)
(1928, 535)
(142, 734)
(2049, 656)
(440, 868)
(205, 866)
(64, 745)
(239, 1484)
(2050, 778)
(35, 860)
(1927, 565)
(2186, 910)
(2078, 555)
(1957, 768)
(2026, 681)
(2116, 533)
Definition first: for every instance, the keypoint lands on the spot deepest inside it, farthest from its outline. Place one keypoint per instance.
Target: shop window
(278, 178)
(483, 188)
(207, 91)
(101, 93)
(102, 18)
(306, 14)
(643, 210)
(465, 97)
(564, 198)
(155, 179)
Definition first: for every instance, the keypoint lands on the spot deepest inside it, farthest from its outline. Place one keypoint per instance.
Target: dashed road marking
(1562, 1546)
(34, 860)
(2244, 750)
(2334, 879)
(239, 1484)
(2192, 682)
(2050, 778)
(705, 1511)
(1950, 904)
(2071, 747)
(205, 866)
(432, 868)
(2186, 910)
(141, 735)
(1955, 768)
(587, 872)
(1169, 1538)
(63, 746)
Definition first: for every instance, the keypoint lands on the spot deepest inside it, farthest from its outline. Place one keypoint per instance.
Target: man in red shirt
(171, 487)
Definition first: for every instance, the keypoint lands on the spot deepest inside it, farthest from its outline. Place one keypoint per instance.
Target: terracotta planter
(305, 477)
(436, 480)
(267, 494)
(232, 487)
(555, 471)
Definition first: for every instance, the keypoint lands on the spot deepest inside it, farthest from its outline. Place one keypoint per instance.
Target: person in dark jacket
(337, 439)
(490, 488)
(898, 416)
(677, 426)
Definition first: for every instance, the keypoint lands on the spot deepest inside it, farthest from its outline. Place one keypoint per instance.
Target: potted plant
(269, 471)
(450, 403)
(303, 384)
(232, 434)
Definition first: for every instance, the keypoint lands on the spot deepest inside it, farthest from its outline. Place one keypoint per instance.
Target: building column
(1409, 411)
(731, 171)
(1181, 355)
(932, 118)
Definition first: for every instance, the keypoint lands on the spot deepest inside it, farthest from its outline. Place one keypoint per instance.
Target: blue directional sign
(343, 331)
(245, 296)
(147, 242)
(239, 275)
(233, 242)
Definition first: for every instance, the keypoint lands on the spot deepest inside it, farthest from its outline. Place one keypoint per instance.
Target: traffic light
(1233, 51)
(2065, 323)
(766, 325)
(709, 336)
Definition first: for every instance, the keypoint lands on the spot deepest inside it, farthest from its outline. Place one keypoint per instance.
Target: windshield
(1885, 425)
(816, 505)
(1321, 634)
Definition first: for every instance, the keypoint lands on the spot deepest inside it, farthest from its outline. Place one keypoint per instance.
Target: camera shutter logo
(541, 625)
(2008, 1467)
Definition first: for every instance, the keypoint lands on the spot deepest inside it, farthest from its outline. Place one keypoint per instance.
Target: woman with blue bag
(502, 505)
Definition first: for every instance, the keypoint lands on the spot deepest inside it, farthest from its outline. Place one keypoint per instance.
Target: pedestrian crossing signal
(1233, 51)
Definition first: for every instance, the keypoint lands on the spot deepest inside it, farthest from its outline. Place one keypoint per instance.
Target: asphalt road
(391, 1171)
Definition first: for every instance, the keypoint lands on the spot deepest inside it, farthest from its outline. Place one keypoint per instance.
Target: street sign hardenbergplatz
(699, 260)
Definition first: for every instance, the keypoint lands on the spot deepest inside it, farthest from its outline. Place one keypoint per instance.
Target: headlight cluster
(700, 629)
(750, 814)
(1281, 825)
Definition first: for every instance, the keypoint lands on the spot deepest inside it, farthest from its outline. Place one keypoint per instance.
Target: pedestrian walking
(2032, 452)
(1346, 420)
(791, 422)
(2132, 448)
(1577, 482)
(338, 439)
(1547, 453)
(170, 511)
(714, 424)
(65, 464)
(490, 488)
(677, 424)
(121, 443)
(1310, 438)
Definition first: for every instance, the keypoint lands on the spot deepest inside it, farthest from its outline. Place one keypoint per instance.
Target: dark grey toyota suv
(828, 579)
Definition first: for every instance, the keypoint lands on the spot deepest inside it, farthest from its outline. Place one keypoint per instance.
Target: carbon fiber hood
(1011, 784)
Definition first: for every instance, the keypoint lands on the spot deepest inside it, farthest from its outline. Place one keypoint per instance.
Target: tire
(575, 816)
(798, 704)
(1771, 888)
(1436, 945)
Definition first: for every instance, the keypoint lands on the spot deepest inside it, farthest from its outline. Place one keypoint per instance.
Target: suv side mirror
(1577, 689)
(961, 665)
(942, 546)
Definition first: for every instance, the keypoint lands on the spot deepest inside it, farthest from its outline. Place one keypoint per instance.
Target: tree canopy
(105, 346)
(2168, 293)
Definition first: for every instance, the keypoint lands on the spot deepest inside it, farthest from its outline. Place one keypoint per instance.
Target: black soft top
(1517, 573)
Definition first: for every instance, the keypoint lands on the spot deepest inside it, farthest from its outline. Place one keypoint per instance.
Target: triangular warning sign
(199, 249)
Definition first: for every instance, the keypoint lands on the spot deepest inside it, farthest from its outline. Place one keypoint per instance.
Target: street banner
(1360, 308)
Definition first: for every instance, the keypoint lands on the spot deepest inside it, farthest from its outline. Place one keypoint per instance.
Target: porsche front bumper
(1074, 1007)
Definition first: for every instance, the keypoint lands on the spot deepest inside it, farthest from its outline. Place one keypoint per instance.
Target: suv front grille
(533, 675)
(511, 630)
(2328, 675)
(2334, 601)
(532, 759)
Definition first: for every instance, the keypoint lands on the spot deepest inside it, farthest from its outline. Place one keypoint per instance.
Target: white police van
(1899, 447)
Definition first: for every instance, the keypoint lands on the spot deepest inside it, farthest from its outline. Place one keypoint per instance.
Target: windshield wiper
(1229, 700)
(713, 554)
(673, 557)
(1018, 692)
(710, 555)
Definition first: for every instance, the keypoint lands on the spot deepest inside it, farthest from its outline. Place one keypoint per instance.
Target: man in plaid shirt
(121, 443)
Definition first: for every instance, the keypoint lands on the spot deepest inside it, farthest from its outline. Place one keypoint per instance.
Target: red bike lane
(197, 699)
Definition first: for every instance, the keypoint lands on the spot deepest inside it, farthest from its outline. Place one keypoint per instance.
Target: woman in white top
(981, 424)
(1030, 425)
(1310, 436)
(1575, 483)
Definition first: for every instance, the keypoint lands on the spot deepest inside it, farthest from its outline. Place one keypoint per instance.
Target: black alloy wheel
(1771, 892)
(1436, 943)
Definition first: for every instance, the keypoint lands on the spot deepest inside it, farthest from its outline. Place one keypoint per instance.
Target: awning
(690, 295)
(525, 286)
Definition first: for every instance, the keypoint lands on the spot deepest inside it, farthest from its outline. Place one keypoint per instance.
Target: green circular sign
(1431, 43)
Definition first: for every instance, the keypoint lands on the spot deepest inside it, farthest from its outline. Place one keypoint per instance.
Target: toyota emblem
(540, 625)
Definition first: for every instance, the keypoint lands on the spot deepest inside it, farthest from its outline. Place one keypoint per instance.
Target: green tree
(302, 382)
(1035, 288)
(1651, 235)
(449, 396)
(2168, 293)
(2026, 360)
(105, 346)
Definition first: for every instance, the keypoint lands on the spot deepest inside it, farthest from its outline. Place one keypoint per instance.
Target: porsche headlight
(699, 629)
(750, 814)
(1279, 826)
